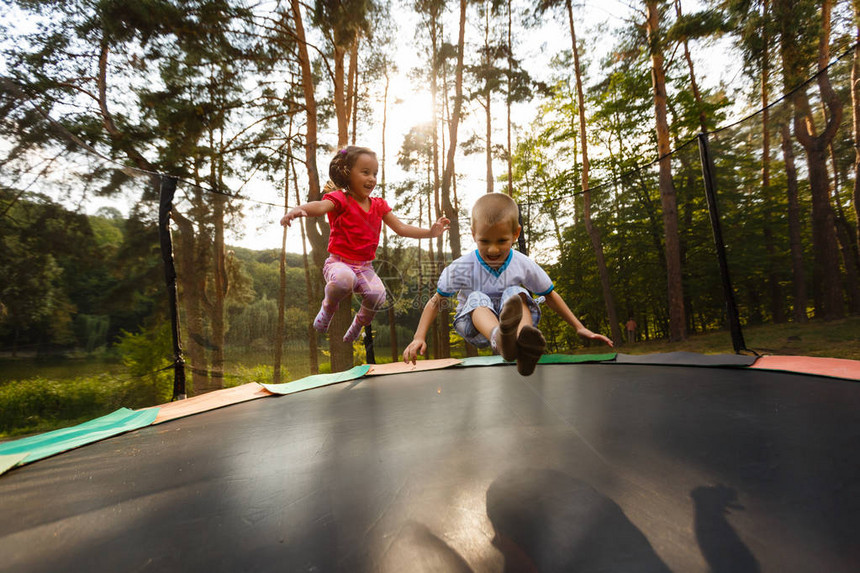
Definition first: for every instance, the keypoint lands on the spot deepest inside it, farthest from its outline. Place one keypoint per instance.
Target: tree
(343, 23)
(798, 26)
(448, 205)
(591, 229)
(755, 38)
(489, 78)
(855, 113)
(431, 12)
(677, 323)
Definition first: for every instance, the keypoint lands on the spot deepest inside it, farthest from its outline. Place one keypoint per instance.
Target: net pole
(165, 208)
(713, 211)
(368, 345)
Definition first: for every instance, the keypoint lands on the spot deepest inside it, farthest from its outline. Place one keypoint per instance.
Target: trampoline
(609, 466)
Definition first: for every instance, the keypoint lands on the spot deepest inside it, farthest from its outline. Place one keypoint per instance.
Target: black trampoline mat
(582, 467)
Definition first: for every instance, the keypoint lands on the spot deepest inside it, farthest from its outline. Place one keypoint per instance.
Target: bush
(146, 356)
(39, 404)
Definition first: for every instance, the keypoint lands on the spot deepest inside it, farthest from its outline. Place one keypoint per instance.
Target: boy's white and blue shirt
(471, 273)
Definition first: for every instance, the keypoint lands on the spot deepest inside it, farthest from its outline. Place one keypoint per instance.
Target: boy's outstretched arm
(413, 232)
(555, 302)
(312, 209)
(419, 341)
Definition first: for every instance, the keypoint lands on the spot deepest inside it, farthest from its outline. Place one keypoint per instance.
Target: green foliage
(260, 373)
(92, 330)
(345, 19)
(255, 323)
(59, 268)
(146, 356)
(36, 404)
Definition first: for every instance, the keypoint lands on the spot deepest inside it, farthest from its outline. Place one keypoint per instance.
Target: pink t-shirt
(354, 231)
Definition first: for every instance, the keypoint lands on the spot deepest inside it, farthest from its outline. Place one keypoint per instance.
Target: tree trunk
(316, 228)
(392, 319)
(448, 206)
(443, 346)
(677, 323)
(508, 102)
(191, 281)
(352, 90)
(801, 300)
(845, 238)
(826, 271)
(313, 350)
(827, 275)
(488, 96)
(219, 287)
(776, 308)
(341, 352)
(593, 232)
(849, 260)
(855, 109)
(282, 285)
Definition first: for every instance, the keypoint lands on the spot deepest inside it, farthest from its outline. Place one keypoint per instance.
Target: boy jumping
(493, 286)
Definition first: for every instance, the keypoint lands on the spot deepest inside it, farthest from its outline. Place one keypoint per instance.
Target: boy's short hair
(494, 208)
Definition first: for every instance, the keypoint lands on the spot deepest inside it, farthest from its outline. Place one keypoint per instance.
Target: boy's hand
(585, 333)
(297, 212)
(440, 226)
(415, 348)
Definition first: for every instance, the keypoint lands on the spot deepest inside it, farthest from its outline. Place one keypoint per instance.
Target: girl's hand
(440, 226)
(297, 212)
(415, 348)
(585, 333)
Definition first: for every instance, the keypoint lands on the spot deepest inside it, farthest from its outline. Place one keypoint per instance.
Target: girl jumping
(356, 220)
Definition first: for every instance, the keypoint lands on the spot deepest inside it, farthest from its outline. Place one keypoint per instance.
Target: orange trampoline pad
(835, 367)
(404, 367)
(210, 401)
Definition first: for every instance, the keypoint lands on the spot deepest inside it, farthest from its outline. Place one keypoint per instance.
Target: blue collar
(495, 272)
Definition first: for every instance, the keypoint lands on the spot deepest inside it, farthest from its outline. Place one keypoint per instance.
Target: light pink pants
(343, 277)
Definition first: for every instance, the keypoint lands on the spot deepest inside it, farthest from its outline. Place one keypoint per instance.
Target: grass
(835, 339)
(57, 367)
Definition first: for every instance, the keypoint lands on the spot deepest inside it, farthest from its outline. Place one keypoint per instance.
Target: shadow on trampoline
(546, 520)
(719, 542)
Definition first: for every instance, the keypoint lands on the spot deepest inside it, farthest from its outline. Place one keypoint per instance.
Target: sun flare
(408, 104)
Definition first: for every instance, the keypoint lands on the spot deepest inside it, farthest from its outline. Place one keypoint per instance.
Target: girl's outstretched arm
(312, 209)
(412, 232)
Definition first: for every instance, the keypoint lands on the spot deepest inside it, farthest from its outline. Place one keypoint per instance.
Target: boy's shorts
(463, 319)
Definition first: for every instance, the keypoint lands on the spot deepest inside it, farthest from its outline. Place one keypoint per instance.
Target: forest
(601, 136)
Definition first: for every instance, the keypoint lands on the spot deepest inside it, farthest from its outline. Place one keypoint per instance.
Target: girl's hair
(342, 163)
